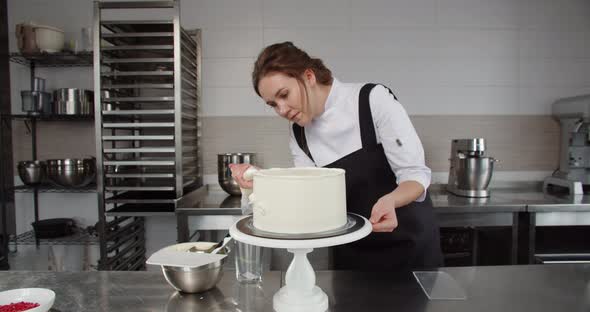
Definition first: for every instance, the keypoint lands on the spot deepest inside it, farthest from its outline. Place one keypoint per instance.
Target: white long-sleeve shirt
(336, 133)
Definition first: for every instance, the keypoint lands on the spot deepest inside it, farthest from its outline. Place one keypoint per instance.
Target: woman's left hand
(383, 215)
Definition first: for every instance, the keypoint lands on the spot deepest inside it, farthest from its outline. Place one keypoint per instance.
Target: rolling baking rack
(147, 94)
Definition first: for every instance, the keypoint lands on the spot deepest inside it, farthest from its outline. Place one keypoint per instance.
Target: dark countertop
(539, 288)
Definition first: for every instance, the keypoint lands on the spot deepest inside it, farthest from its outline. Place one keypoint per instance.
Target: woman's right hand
(237, 172)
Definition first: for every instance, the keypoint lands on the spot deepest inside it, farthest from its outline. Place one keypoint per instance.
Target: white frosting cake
(299, 200)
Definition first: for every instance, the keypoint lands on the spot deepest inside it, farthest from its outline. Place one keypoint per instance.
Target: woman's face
(287, 96)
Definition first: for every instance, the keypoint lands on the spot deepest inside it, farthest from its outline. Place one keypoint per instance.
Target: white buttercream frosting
(299, 200)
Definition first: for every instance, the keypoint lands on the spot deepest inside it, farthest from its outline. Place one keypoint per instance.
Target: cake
(299, 200)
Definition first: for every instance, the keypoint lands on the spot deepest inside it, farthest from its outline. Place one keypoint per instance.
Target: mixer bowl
(474, 173)
(225, 179)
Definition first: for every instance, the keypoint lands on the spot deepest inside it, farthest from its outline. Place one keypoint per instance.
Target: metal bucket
(71, 101)
(36, 102)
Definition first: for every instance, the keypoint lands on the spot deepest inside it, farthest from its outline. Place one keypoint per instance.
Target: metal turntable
(353, 223)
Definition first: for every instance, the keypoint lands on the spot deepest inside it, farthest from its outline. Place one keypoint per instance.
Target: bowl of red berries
(26, 299)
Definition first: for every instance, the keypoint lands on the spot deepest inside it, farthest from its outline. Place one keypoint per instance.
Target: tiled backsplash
(521, 143)
(73, 139)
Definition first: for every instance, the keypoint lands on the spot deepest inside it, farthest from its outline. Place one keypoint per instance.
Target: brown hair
(288, 59)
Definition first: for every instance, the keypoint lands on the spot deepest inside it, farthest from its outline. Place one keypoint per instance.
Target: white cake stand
(300, 292)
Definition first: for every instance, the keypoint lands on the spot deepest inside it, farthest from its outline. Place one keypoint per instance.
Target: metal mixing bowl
(195, 280)
(475, 173)
(71, 172)
(32, 172)
(225, 179)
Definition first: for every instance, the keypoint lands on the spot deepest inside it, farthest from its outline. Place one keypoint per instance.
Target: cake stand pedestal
(300, 292)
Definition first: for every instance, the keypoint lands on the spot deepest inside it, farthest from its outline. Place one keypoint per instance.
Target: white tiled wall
(454, 57)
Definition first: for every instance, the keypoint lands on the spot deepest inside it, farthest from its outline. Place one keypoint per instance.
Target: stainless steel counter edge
(488, 288)
(515, 198)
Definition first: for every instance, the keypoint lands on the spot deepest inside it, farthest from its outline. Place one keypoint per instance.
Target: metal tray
(167, 162)
(138, 26)
(139, 38)
(139, 99)
(139, 125)
(354, 223)
(138, 86)
(138, 73)
(125, 112)
(146, 47)
(137, 137)
(140, 150)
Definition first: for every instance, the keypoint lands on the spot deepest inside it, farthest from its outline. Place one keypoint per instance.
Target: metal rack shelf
(54, 189)
(143, 209)
(142, 198)
(138, 26)
(33, 61)
(81, 237)
(50, 117)
(61, 59)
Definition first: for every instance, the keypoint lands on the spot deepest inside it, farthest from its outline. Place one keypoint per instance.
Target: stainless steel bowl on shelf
(32, 172)
(198, 279)
(71, 172)
(225, 179)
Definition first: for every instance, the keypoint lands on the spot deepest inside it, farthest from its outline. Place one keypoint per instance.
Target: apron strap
(299, 133)
(368, 136)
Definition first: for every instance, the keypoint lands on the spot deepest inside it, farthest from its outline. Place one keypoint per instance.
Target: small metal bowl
(198, 279)
(32, 172)
(226, 181)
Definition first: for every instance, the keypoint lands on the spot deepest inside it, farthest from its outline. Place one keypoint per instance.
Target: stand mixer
(471, 171)
(573, 114)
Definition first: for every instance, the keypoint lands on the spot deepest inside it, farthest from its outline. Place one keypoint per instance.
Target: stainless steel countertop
(508, 198)
(536, 288)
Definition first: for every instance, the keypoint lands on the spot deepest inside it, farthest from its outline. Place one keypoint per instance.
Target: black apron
(415, 243)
